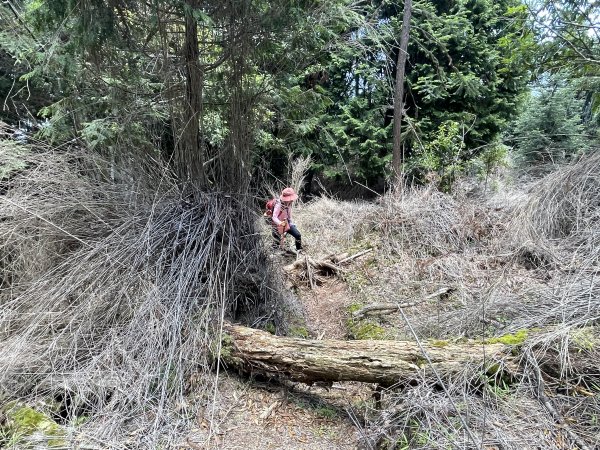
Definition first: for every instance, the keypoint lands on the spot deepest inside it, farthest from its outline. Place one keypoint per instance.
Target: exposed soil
(250, 415)
(326, 309)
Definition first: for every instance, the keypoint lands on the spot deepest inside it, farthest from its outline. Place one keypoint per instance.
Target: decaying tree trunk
(382, 362)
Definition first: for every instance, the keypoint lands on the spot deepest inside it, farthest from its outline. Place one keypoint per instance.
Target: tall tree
(469, 63)
(189, 157)
(399, 90)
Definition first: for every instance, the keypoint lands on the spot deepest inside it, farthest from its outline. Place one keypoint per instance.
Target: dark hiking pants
(292, 231)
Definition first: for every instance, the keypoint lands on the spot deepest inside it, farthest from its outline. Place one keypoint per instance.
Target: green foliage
(497, 386)
(443, 155)
(327, 412)
(21, 89)
(321, 409)
(471, 63)
(468, 64)
(493, 156)
(413, 436)
(356, 140)
(551, 128)
(299, 332)
(568, 71)
(11, 158)
(585, 339)
(317, 79)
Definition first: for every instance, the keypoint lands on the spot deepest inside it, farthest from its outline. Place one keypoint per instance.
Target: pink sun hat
(288, 195)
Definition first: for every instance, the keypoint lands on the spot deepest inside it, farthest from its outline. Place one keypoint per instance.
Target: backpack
(269, 207)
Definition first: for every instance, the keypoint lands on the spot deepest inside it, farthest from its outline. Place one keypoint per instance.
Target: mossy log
(382, 362)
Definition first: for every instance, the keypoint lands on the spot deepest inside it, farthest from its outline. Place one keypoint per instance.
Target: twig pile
(112, 300)
(529, 268)
(315, 272)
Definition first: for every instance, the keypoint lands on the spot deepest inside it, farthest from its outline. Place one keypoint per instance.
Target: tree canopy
(226, 92)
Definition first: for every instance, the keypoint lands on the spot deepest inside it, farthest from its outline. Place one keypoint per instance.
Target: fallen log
(382, 362)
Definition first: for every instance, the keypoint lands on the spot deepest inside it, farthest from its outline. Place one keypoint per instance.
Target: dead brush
(426, 222)
(118, 323)
(48, 211)
(533, 275)
(564, 205)
(299, 168)
(330, 226)
(522, 271)
(468, 413)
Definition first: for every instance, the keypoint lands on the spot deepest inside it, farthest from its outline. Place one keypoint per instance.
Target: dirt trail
(250, 415)
(325, 308)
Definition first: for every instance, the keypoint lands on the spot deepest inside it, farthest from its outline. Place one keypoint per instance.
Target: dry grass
(564, 204)
(528, 264)
(331, 226)
(114, 287)
(113, 297)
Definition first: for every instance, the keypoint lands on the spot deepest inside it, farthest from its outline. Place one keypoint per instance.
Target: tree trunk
(236, 163)
(189, 157)
(383, 362)
(399, 90)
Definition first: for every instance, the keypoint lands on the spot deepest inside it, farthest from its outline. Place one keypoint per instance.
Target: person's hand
(282, 227)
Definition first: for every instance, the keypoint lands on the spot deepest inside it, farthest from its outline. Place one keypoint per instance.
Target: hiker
(282, 219)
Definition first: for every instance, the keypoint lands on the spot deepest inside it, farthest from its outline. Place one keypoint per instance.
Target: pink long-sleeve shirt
(282, 212)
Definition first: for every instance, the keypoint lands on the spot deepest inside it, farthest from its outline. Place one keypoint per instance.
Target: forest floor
(517, 266)
(437, 258)
(257, 415)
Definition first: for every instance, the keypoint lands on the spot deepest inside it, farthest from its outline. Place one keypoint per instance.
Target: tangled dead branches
(113, 297)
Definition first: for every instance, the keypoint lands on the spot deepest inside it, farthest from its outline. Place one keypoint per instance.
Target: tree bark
(382, 362)
(189, 153)
(399, 90)
(236, 164)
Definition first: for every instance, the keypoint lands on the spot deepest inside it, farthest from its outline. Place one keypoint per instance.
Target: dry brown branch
(353, 257)
(390, 308)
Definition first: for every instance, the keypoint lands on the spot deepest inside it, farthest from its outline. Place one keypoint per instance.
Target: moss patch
(299, 331)
(21, 421)
(365, 330)
(439, 343)
(354, 307)
(509, 339)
